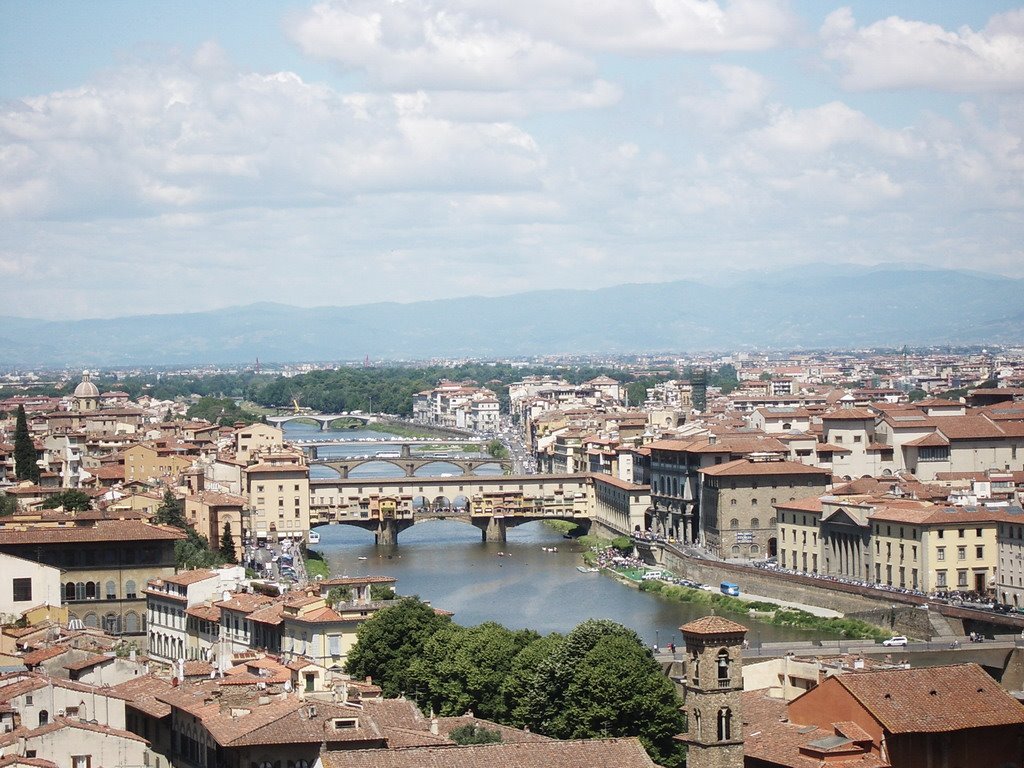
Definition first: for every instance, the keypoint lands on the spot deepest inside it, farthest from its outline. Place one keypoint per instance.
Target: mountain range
(810, 307)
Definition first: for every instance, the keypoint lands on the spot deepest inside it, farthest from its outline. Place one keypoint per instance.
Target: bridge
(492, 504)
(404, 444)
(410, 464)
(324, 419)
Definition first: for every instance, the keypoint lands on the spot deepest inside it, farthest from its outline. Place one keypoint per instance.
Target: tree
(522, 674)
(619, 689)
(389, 642)
(227, 544)
(916, 395)
(72, 500)
(25, 467)
(637, 393)
(169, 512)
(474, 734)
(603, 679)
(8, 505)
(382, 592)
(464, 669)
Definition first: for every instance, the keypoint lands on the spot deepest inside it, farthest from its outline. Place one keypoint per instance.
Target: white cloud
(904, 53)
(820, 129)
(418, 45)
(742, 97)
(653, 26)
(153, 139)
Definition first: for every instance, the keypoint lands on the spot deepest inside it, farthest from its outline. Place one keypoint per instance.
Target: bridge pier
(388, 530)
(406, 450)
(495, 530)
(343, 471)
(410, 470)
(324, 425)
(313, 454)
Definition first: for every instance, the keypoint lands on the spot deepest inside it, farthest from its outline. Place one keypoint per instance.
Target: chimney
(712, 439)
(433, 726)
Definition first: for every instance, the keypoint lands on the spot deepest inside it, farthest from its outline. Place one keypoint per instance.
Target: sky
(180, 156)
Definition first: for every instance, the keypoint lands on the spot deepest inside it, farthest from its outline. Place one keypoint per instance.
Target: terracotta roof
(770, 739)
(745, 468)
(141, 693)
(931, 439)
(593, 753)
(810, 504)
(509, 735)
(88, 662)
(100, 530)
(933, 699)
(205, 611)
(712, 625)
(35, 762)
(849, 414)
(40, 655)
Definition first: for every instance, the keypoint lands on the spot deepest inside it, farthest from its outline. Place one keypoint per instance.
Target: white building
(25, 584)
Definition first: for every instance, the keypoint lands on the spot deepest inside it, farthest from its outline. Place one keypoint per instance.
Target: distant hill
(815, 307)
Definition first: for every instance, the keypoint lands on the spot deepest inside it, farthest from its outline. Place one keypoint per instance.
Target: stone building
(713, 683)
(738, 498)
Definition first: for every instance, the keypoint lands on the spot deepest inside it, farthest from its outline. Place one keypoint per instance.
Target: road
(266, 560)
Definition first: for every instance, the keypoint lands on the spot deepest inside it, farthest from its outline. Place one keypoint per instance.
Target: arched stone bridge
(323, 419)
(492, 503)
(409, 464)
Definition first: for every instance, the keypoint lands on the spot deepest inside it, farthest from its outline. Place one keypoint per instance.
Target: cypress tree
(227, 544)
(25, 467)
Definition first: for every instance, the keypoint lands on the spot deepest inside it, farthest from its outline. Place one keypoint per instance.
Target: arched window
(111, 591)
(69, 591)
(696, 724)
(129, 589)
(112, 623)
(724, 724)
(44, 717)
(732, 502)
(754, 549)
(131, 623)
(91, 620)
(722, 665)
(735, 549)
(755, 523)
(734, 524)
(79, 590)
(90, 590)
(772, 502)
(772, 522)
(753, 502)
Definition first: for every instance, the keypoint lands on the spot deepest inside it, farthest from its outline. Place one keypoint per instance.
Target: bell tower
(714, 686)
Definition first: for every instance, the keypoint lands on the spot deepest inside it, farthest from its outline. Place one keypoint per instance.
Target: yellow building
(208, 512)
(278, 492)
(149, 462)
(894, 542)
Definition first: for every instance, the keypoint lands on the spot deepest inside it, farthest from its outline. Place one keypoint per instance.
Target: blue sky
(181, 156)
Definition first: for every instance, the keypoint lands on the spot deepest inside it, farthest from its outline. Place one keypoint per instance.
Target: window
(940, 532)
(960, 533)
(734, 524)
(724, 724)
(977, 532)
(111, 591)
(129, 589)
(961, 553)
(979, 552)
(940, 579)
(961, 578)
(732, 502)
(81, 761)
(22, 590)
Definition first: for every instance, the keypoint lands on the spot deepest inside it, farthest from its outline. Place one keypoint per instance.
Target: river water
(446, 563)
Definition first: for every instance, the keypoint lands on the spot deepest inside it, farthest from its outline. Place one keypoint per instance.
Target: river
(446, 563)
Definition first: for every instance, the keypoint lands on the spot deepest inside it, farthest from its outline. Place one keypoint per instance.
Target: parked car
(895, 640)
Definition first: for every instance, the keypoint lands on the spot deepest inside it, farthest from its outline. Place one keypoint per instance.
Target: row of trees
(599, 680)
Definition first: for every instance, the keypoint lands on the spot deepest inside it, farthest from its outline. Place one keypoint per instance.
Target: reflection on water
(446, 563)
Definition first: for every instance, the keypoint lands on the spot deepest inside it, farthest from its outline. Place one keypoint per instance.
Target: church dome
(86, 388)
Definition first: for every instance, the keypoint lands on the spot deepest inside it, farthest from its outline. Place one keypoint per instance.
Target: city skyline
(184, 158)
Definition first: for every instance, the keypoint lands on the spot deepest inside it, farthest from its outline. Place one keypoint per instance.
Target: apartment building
(277, 490)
